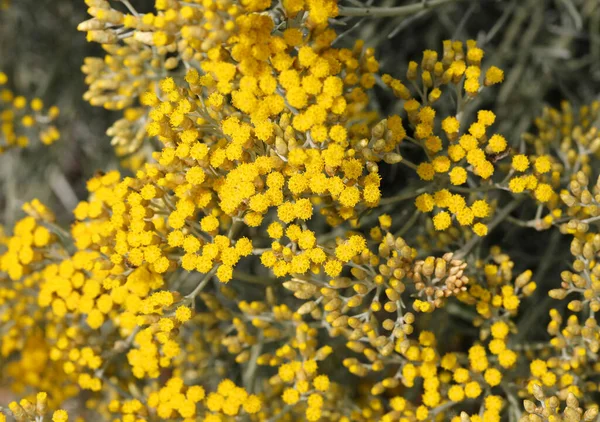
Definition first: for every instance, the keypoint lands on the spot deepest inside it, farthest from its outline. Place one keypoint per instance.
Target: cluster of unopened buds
(438, 278)
(585, 277)
(549, 409)
(583, 204)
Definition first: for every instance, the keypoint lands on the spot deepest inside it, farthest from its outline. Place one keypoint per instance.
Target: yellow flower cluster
(499, 292)
(251, 268)
(557, 170)
(297, 374)
(144, 48)
(177, 398)
(535, 181)
(23, 120)
(450, 159)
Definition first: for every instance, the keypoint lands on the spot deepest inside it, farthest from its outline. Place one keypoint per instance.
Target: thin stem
(118, 389)
(411, 221)
(382, 12)
(190, 296)
(441, 408)
(590, 220)
(122, 349)
(409, 164)
(521, 223)
(235, 228)
(483, 188)
(254, 279)
(403, 196)
(130, 7)
(500, 22)
(282, 413)
(250, 372)
(513, 401)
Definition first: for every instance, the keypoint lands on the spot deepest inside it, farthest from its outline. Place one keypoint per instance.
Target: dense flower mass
(248, 264)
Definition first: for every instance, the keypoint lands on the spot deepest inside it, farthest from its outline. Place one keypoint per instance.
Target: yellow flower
(517, 184)
(461, 375)
(425, 202)
(441, 164)
(458, 176)
(497, 143)
(538, 368)
(543, 192)
(426, 171)
(468, 142)
(520, 163)
(456, 393)
(450, 125)
(321, 382)
(60, 416)
(493, 76)
(477, 129)
(183, 313)
(472, 86)
(493, 377)
(422, 413)
(290, 396)
(486, 117)
(543, 164)
(480, 208)
(252, 404)
(472, 389)
(442, 220)
(499, 330)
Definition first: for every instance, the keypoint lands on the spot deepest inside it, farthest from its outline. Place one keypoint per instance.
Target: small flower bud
(538, 392)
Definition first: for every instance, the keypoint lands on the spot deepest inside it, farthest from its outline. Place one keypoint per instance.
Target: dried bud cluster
(549, 409)
(439, 278)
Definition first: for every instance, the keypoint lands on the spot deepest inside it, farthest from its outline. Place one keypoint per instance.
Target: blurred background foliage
(41, 51)
(549, 50)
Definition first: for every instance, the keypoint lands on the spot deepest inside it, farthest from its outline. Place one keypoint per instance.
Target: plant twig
(403, 196)
(249, 374)
(381, 12)
(192, 295)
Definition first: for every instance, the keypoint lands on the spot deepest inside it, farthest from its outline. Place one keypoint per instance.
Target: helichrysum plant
(249, 262)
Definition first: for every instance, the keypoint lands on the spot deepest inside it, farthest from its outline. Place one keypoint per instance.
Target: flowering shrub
(247, 262)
